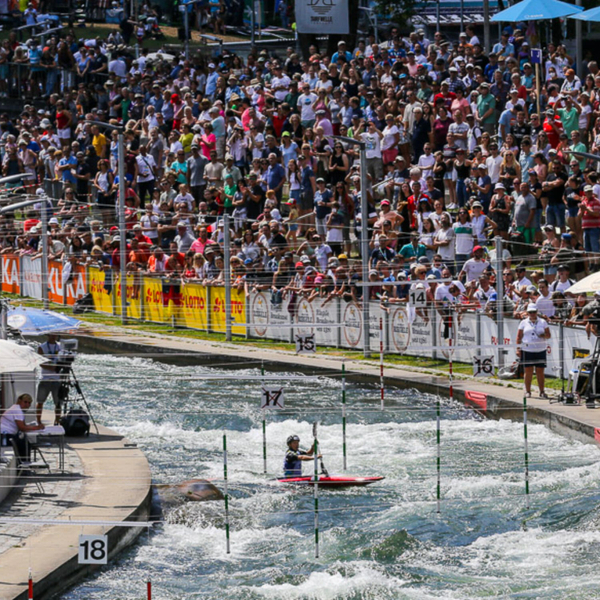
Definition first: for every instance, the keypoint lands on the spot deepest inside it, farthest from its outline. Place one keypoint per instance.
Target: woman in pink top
(460, 103)
(208, 141)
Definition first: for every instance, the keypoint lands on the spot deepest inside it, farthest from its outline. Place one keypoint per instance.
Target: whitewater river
(384, 541)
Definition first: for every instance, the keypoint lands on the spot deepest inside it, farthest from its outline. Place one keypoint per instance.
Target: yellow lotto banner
(154, 309)
(193, 306)
(217, 310)
(134, 295)
(103, 301)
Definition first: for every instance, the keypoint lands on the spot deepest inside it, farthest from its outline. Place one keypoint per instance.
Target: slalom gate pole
(439, 455)
(316, 490)
(149, 581)
(30, 586)
(226, 493)
(344, 450)
(450, 365)
(381, 385)
(526, 451)
(264, 423)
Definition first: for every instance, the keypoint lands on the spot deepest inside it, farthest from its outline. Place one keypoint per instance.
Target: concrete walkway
(93, 490)
(493, 398)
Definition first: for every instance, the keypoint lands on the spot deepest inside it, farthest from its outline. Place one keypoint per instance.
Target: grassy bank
(425, 365)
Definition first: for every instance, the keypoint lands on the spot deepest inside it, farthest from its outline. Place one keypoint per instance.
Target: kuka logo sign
(10, 274)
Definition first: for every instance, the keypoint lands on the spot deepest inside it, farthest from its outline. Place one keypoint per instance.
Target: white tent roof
(15, 358)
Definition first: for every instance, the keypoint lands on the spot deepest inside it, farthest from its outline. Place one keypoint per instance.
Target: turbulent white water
(384, 541)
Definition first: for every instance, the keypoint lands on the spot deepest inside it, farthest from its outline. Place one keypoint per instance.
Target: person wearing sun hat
(532, 343)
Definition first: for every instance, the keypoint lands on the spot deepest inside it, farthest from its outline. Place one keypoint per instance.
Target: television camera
(70, 391)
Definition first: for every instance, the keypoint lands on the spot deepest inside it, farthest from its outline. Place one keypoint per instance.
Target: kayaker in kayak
(292, 464)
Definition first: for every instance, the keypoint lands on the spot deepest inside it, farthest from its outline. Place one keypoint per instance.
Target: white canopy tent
(591, 283)
(18, 364)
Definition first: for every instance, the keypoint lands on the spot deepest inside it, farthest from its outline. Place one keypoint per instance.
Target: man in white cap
(532, 337)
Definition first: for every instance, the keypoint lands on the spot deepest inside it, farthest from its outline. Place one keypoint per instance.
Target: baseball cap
(531, 307)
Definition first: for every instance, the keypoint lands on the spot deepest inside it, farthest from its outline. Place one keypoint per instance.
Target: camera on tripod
(67, 355)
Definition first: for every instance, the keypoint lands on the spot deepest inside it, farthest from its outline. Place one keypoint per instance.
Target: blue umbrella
(35, 321)
(592, 15)
(535, 10)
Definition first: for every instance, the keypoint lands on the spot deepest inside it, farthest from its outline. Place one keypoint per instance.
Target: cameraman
(50, 381)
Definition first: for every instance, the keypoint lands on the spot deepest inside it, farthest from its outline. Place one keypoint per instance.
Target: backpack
(76, 422)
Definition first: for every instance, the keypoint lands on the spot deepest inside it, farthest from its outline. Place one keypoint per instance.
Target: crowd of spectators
(460, 148)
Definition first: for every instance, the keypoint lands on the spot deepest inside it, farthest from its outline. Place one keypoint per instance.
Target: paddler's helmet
(292, 438)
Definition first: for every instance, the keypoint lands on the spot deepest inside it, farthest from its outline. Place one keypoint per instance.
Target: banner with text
(32, 277)
(101, 289)
(11, 274)
(323, 17)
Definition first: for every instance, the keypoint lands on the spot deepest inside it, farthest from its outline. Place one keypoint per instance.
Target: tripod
(70, 382)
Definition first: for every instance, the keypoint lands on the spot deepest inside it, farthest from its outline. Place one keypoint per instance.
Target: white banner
(352, 325)
(322, 16)
(32, 278)
(421, 333)
(404, 333)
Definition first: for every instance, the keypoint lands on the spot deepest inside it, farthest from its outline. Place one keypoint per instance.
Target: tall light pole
(122, 230)
(186, 24)
(364, 237)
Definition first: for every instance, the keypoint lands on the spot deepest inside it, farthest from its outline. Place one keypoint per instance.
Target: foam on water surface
(384, 541)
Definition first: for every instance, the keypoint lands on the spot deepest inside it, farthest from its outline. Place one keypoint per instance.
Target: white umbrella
(15, 358)
(591, 283)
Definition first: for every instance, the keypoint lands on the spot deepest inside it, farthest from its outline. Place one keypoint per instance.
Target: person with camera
(531, 348)
(50, 380)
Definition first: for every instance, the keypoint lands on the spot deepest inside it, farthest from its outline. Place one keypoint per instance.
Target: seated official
(13, 427)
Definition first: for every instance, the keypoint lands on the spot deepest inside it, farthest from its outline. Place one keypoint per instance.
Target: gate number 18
(93, 550)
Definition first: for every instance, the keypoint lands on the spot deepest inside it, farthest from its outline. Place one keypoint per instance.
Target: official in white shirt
(532, 343)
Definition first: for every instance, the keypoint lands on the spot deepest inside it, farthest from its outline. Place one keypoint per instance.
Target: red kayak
(331, 481)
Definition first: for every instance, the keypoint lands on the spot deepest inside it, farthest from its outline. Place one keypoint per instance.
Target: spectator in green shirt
(486, 109)
(569, 115)
(578, 146)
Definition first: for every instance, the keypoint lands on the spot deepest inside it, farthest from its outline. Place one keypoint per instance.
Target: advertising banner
(55, 283)
(318, 311)
(193, 306)
(217, 310)
(32, 277)
(134, 287)
(352, 325)
(375, 314)
(154, 309)
(10, 274)
(269, 320)
(77, 286)
(100, 289)
(322, 17)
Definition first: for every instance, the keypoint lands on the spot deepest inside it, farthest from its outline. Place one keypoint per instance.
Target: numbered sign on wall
(272, 397)
(417, 298)
(93, 549)
(305, 344)
(483, 366)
